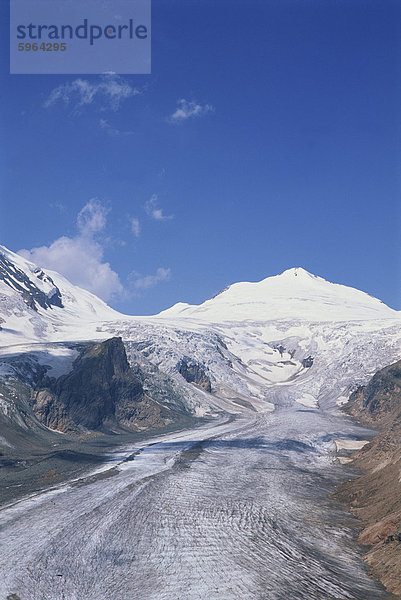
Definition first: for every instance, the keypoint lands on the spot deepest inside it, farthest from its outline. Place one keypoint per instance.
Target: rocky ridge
(375, 496)
(32, 295)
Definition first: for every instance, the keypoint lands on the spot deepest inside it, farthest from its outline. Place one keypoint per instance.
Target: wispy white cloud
(153, 209)
(186, 109)
(58, 205)
(92, 218)
(108, 92)
(81, 258)
(112, 131)
(147, 281)
(135, 226)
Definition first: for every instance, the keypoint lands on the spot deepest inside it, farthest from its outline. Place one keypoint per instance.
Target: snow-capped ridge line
(293, 295)
(38, 304)
(31, 268)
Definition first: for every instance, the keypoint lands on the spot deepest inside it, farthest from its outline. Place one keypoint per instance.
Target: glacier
(237, 508)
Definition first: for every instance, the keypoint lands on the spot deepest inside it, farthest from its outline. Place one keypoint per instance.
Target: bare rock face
(375, 497)
(194, 372)
(379, 402)
(31, 294)
(100, 393)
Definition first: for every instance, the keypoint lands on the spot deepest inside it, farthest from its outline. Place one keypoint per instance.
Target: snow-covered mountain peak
(297, 272)
(294, 294)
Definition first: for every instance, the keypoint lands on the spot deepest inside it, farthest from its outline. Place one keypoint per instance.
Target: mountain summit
(294, 294)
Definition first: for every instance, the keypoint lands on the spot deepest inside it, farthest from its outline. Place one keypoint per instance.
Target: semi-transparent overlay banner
(80, 36)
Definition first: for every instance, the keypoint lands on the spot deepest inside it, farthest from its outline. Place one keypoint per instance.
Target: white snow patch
(344, 444)
(308, 400)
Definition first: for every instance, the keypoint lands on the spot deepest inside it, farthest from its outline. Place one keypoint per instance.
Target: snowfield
(237, 509)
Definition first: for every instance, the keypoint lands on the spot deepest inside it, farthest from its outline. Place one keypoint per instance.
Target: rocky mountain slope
(290, 338)
(101, 392)
(63, 405)
(375, 497)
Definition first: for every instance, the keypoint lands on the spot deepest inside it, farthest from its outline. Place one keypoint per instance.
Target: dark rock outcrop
(379, 403)
(375, 497)
(307, 362)
(194, 372)
(100, 393)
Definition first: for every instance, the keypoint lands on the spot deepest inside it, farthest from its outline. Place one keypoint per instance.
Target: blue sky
(266, 137)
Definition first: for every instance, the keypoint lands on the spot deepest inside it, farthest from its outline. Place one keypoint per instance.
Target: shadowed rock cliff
(100, 393)
(193, 372)
(375, 497)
